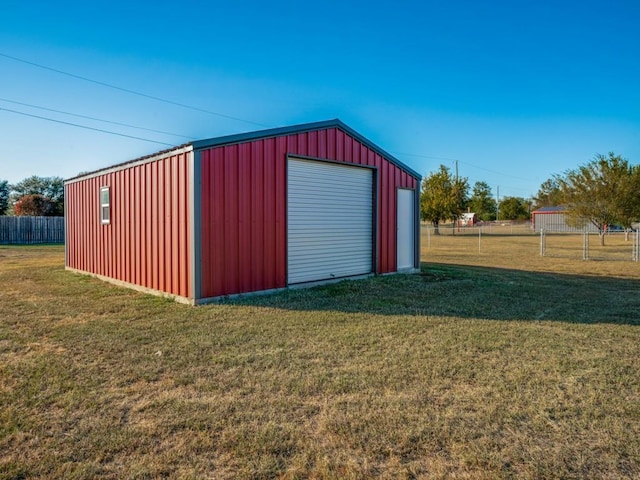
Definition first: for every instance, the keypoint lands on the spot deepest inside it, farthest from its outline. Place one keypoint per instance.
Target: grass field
(495, 363)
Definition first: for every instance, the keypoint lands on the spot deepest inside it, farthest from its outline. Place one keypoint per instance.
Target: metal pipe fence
(482, 239)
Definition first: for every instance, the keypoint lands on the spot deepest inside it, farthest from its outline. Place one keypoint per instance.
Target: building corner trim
(195, 212)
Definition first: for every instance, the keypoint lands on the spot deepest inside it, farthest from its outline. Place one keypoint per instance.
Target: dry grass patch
(519, 248)
(460, 372)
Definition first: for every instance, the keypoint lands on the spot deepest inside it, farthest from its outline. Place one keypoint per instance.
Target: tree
(549, 194)
(514, 208)
(4, 196)
(34, 205)
(443, 197)
(481, 202)
(49, 187)
(602, 193)
(629, 206)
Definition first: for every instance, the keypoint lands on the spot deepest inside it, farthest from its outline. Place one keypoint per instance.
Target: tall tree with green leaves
(601, 193)
(629, 206)
(443, 197)
(550, 193)
(51, 188)
(482, 203)
(514, 208)
(4, 196)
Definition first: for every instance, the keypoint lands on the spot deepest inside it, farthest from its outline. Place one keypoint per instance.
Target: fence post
(585, 245)
(636, 245)
(479, 237)
(542, 242)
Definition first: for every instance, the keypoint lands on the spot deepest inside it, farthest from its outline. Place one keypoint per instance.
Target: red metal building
(246, 213)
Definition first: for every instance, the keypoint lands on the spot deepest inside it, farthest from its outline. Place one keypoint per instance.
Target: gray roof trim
(302, 128)
(132, 163)
(557, 209)
(247, 137)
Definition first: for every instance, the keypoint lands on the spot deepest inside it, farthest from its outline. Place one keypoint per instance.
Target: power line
(95, 118)
(133, 92)
(463, 162)
(170, 102)
(85, 127)
(426, 156)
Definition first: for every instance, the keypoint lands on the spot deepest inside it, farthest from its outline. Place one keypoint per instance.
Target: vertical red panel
(210, 247)
(312, 144)
(162, 244)
(322, 144)
(364, 154)
(231, 217)
(218, 226)
(280, 166)
(142, 224)
(139, 222)
(168, 221)
(292, 144)
(244, 218)
(131, 217)
(256, 187)
(132, 241)
(331, 144)
(175, 280)
(355, 155)
(90, 248)
(269, 209)
(176, 204)
(86, 259)
(154, 225)
(148, 217)
(302, 144)
(125, 211)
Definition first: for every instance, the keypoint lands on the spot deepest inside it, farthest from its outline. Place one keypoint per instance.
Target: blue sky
(514, 91)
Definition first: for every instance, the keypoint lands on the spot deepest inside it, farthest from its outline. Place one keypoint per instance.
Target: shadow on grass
(472, 292)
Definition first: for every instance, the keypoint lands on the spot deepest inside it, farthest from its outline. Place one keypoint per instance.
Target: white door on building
(329, 220)
(405, 241)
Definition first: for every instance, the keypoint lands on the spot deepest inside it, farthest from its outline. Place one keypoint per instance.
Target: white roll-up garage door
(329, 220)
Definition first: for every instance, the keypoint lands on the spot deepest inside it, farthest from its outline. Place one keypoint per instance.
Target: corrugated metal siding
(329, 222)
(244, 207)
(243, 220)
(147, 241)
(557, 222)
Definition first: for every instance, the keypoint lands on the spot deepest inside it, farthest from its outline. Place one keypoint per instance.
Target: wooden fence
(31, 230)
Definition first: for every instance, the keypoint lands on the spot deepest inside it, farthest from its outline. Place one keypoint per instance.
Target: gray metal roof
(302, 128)
(558, 209)
(257, 135)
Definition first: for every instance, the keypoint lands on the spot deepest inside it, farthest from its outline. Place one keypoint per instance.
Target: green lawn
(485, 365)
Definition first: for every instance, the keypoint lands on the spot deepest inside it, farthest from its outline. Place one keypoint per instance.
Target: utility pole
(498, 204)
(456, 219)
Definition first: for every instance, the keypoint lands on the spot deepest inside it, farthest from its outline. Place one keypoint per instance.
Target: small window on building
(105, 206)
